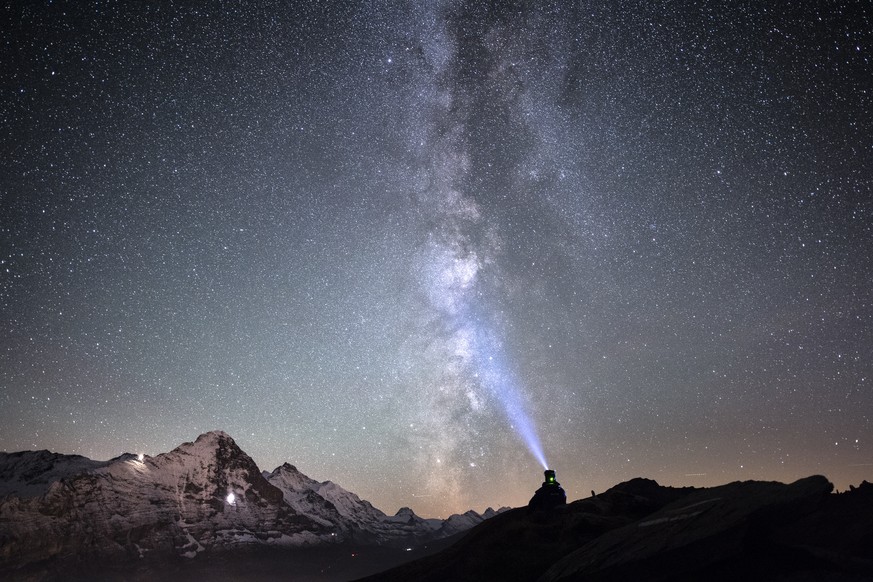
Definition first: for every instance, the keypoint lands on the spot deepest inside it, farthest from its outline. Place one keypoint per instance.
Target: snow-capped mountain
(208, 494)
(354, 518)
(29, 473)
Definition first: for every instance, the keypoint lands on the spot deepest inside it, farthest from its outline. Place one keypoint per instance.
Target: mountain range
(205, 511)
(205, 498)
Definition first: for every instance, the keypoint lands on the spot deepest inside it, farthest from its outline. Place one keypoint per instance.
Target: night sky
(398, 243)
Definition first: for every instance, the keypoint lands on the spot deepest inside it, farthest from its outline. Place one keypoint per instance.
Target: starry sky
(406, 246)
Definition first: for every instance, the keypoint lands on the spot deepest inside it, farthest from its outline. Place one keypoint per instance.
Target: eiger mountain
(201, 499)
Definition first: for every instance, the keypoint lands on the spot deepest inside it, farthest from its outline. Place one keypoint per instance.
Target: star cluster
(379, 239)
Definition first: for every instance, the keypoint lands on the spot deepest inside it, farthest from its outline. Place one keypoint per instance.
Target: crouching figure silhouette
(549, 495)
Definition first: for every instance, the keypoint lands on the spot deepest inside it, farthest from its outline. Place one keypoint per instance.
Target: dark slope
(641, 531)
(521, 544)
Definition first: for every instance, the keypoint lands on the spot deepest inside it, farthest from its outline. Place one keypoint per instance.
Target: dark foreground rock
(641, 531)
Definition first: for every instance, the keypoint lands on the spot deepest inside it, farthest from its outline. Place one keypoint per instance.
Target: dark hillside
(639, 530)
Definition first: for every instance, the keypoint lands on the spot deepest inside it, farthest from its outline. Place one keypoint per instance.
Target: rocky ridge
(640, 530)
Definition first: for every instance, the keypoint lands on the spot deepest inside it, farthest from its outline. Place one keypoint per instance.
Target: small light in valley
(231, 499)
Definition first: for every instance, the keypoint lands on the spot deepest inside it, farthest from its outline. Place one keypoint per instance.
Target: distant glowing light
(231, 499)
(140, 457)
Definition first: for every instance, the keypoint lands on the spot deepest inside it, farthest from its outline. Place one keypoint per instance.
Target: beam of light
(452, 278)
(497, 376)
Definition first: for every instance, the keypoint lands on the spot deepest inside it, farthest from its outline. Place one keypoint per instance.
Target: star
(616, 242)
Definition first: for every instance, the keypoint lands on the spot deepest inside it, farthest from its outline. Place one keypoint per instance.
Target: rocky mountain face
(205, 495)
(639, 530)
(350, 517)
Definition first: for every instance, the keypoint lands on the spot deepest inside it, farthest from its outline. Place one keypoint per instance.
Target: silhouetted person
(549, 495)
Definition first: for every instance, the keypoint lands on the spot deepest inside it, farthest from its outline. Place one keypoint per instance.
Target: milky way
(421, 248)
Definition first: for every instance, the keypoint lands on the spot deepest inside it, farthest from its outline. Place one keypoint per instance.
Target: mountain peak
(211, 444)
(214, 435)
